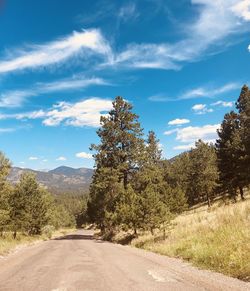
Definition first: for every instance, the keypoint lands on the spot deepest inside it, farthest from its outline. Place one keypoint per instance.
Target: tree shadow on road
(75, 237)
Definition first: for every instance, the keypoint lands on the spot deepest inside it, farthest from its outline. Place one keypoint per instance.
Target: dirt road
(79, 262)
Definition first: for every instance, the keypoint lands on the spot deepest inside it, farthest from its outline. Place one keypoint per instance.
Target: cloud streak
(79, 114)
(178, 121)
(17, 97)
(83, 155)
(82, 43)
(190, 134)
(222, 19)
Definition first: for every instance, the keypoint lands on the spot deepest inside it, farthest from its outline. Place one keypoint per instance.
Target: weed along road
(79, 262)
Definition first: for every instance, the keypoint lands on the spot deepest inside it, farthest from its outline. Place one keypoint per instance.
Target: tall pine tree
(230, 153)
(243, 105)
(117, 158)
(203, 173)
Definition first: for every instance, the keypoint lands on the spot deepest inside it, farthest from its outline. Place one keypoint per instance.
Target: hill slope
(59, 180)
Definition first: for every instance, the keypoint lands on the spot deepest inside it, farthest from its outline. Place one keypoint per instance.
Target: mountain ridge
(59, 180)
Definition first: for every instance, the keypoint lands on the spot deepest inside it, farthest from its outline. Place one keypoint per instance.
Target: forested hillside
(135, 188)
(60, 180)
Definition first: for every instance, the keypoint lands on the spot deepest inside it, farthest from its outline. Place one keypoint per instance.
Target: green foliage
(233, 147)
(243, 106)
(128, 210)
(175, 199)
(203, 173)
(5, 191)
(48, 230)
(121, 145)
(154, 211)
(229, 153)
(128, 186)
(28, 205)
(75, 206)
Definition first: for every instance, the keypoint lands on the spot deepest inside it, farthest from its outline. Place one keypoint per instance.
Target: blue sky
(181, 63)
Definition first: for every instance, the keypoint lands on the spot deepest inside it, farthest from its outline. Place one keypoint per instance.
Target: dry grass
(218, 239)
(8, 244)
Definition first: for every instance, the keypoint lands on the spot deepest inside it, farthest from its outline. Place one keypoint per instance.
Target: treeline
(134, 188)
(29, 208)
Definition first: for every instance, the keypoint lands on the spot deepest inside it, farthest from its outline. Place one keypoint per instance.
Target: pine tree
(154, 211)
(176, 171)
(28, 206)
(243, 105)
(104, 191)
(121, 145)
(5, 192)
(230, 153)
(203, 175)
(117, 158)
(154, 153)
(128, 211)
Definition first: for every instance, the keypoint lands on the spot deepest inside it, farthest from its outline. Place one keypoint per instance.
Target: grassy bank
(217, 239)
(8, 244)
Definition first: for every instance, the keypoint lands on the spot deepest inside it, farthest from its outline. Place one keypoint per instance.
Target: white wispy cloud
(159, 98)
(128, 11)
(32, 158)
(83, 113)
(83, 155)
(223, 103)
(17, 97)
(187, 136)
(169, 132)
(210, 92)
(61, 159)
(242, 9)
(179, 121)
(5, 130)
(201, 109)
(82, 44)
(79, 114)
(222, 19)
(205, 91)
(193, 133)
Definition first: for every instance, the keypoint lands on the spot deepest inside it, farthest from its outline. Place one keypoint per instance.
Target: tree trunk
(208, 201)
(164, 233)
(241, 193)
(152, 230)
(14, 235)
(125, 180)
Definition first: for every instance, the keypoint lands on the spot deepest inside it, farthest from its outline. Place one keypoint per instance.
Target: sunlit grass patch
(218, 239)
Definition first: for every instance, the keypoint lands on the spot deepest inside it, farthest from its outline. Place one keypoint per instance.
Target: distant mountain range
(60, 180)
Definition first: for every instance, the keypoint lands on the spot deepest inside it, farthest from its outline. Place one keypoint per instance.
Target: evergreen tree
(203, 173)
(230, 153)
(243, 105)
(129, 210)
(154, 153)
(104, 191)
(121, 145)
(176, 172)
(154, 211)
(28, 206)
(174, 198)
(117, 158)
(5, 191)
